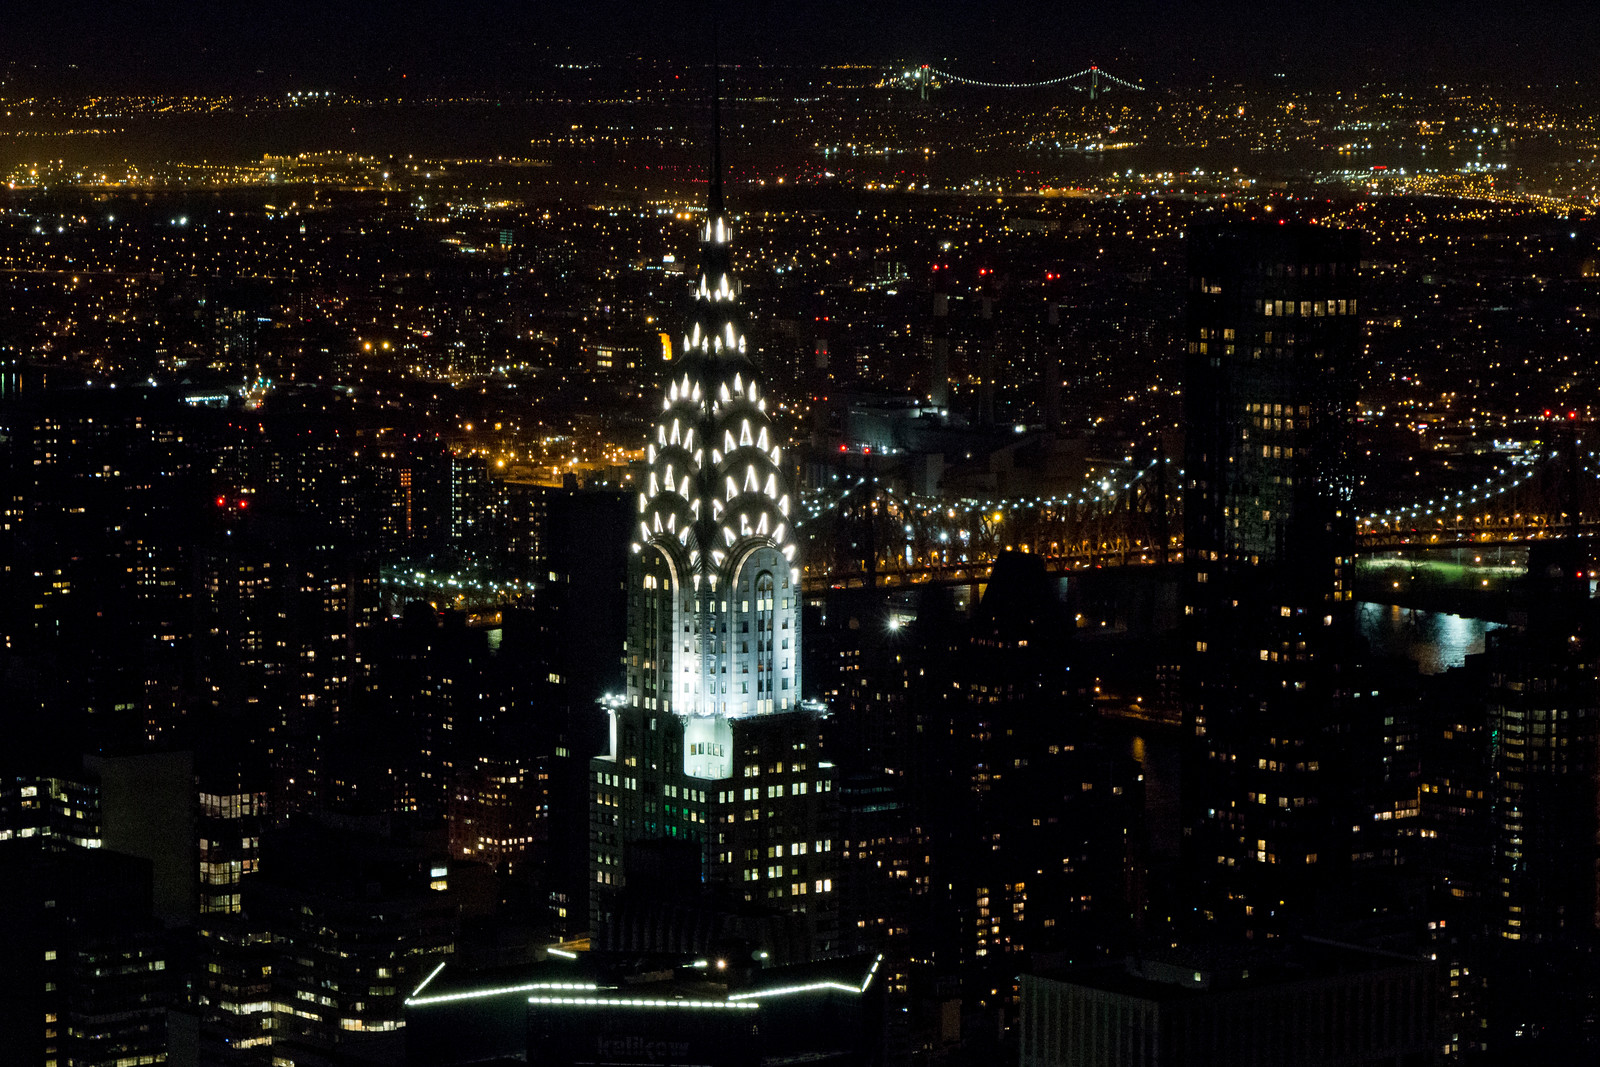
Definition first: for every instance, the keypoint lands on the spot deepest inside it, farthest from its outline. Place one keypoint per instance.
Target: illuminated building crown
(716, 503)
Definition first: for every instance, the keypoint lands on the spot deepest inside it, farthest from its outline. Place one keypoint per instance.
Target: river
(1434, 640)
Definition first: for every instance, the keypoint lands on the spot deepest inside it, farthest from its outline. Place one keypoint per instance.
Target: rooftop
(1187, 971)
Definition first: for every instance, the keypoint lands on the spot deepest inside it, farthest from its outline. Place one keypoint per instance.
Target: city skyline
(566, 553)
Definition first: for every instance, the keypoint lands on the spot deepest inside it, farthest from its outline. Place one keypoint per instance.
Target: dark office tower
(94, 487)
(433, 706)
(981, 820)
(499, 813)
(282, 605)
(939, 386)
(138, 805)
(1544, 748)
(1537, 980)
(1306, 1002)
(989, 338)
(1050, 402)
(83, 962)
(147, 810)
(232, 816)
(469, 480)
(233, 323)
(359, 914)
(394, 502)
(710, 744)
(232, 994)
(1029, 819)
(581, 617)
(1270, 764)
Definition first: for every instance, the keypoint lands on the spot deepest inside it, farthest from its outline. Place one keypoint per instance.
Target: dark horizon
(84, 46)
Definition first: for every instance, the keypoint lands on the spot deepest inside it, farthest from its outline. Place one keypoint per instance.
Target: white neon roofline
(477, 994)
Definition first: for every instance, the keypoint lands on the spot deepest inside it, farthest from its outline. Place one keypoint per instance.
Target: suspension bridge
(864, 532)
(1091, 80)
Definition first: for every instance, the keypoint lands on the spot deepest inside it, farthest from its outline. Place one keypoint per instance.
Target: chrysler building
(711, 745)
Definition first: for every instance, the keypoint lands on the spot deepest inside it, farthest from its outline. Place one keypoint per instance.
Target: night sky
(271, 42)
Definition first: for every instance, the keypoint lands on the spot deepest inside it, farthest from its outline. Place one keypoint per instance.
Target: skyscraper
(1271, 762)
(1544, 741)
(710, 745)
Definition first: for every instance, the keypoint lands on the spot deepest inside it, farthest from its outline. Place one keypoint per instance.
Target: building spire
(714, 201)
(714, 511)
(716, 329)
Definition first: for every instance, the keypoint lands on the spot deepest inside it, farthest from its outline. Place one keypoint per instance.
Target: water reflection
(1434, 640)
(1159, 762)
